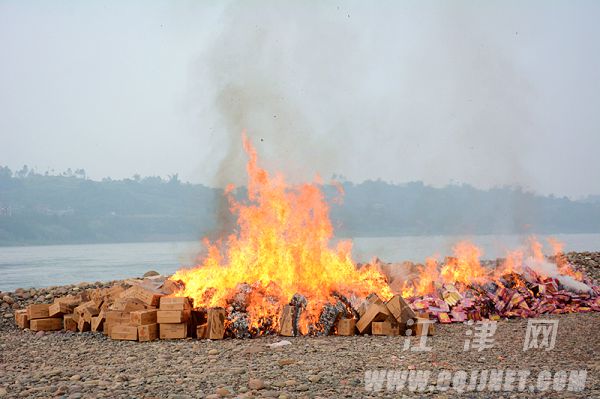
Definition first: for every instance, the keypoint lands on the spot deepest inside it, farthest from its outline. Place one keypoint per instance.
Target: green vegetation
(69, 208)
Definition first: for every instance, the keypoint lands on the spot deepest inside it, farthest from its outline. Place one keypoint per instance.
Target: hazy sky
(479, 92)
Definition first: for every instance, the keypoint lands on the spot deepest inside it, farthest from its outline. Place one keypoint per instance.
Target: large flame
(281, 248)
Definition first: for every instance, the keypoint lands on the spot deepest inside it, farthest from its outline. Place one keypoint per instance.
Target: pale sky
(485, 93)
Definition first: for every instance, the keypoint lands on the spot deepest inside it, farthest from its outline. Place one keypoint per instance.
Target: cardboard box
(128, 305)
(346, 327)
(143, 317)
(172, 331)
(112, 317)
(71, 300)
(47, 324)
(97, 323)
(172, 316)
(124, 332)
(286, 325)
(214, 328)
(38, 311)
(59, 309)
(419, 328)
(401, 311)
(374, 312)
(148, 296)
(147, 332)
(89, 312)
(175, 303)
(69, 323)
(83, 325)
(21, 318)
(385, 328)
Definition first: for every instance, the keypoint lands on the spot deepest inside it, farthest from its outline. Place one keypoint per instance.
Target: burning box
(172, 316)
(175, 303)
(172, 331)
(143, 317)
(147, 332)
(38, 311)
(124, 332)
(47, 324)
(214, 328)
(286, 322)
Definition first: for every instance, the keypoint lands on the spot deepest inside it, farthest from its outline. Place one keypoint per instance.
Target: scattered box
(128, 305)
(124, 332)
(143, 317)
(38, 311)
(47, 324)
(97, 323)
(21, 318)
(172, 316)
(69, 323)
(172, 331)
(346, 327)
(421, 325)
(148, 296)
(83, 325)
(59, 309)
(401, 311)
(375, 312)
(147, 332)
(175, 303)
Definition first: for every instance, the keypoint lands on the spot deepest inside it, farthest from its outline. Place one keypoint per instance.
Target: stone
(286, 362)
(75, 377)
(213, 352)
(8, 299)
(151, 273)
(256, 384)
(222, 392)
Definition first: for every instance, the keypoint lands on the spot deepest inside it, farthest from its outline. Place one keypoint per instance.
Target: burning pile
(280, 256)
(278, 274)
(464, 288)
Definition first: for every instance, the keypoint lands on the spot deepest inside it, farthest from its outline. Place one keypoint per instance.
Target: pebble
(286, 362)
(213, 352)
(256, 384)
(222, 392)
(8, 299)
(75, 377)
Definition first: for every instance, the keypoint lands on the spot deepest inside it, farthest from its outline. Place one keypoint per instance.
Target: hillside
(68, 208)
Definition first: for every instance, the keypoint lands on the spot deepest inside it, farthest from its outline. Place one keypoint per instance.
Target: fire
(281, 248)
(464, 268)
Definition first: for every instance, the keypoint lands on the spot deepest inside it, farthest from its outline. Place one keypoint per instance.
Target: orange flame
(281, 248)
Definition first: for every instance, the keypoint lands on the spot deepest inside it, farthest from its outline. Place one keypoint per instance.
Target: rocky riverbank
(89, 365)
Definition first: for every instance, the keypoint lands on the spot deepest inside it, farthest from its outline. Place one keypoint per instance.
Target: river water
(42, 266)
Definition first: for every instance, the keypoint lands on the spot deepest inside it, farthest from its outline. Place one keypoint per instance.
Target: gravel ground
(89, 365)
